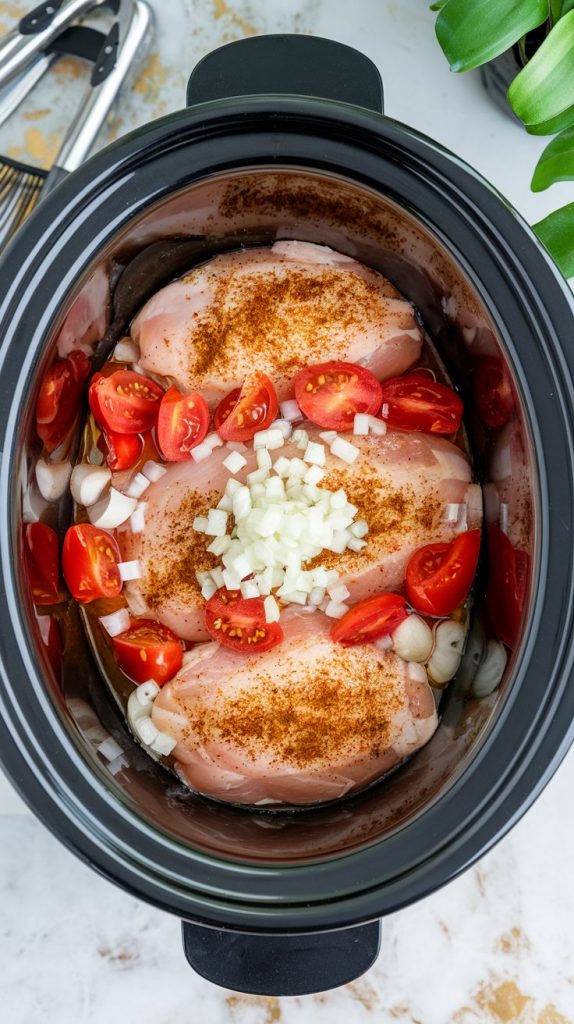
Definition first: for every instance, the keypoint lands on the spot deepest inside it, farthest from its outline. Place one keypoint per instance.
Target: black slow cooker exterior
(286, 927)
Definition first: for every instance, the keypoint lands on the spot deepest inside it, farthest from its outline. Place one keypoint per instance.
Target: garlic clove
(112, 510)
(88, 483)
(491, 671)
(52, 478)
(413, 639)
(449, 645)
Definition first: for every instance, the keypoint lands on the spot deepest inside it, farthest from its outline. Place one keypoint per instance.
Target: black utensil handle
(292, 64)
(281, 965)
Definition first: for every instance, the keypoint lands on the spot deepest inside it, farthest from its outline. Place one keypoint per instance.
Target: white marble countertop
(495, 946)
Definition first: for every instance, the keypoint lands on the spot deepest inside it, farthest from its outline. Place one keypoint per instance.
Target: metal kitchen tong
(29, 51)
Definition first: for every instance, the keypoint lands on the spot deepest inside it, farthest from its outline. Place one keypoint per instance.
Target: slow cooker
(284, 137)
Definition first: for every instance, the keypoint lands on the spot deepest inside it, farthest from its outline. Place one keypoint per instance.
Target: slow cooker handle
(292, 64)
(281, 965)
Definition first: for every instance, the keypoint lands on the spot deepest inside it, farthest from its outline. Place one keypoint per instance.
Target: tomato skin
(239, 416)
(125, 401)
(370, 620)
(148, 650)
(506, 586)
(90, 559)
(182, 423)
(330, 394)
(41, 554)
(59, 398)
(439, 576)
(492, 392)
(122, 450)
(228, 612)
(416, 402)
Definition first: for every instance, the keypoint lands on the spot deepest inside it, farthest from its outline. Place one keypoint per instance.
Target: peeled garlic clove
(448, 648)
(413, 639)
(52, 478)
(491, 670)
(88, 483)
(112, 510)
(126, 351)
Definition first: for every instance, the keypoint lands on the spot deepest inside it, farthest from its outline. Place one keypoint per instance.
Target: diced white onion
(52, 478)
(116, 622)
(208, 589)
(359, 528)
(126, 351)
(112, 510)
(338, 592)
(290, 410)
(315, 454)
(361, 424)
(284, 426)
(88, 483)
(234, 462)
(354, 544)
(216, 522)
(344, 450)
(271, 607)
(212, 440)
(281, 466)
(336, 609)
(503, 517)
(137, 518)
(249, 589)
(413, 639)
(317, 596)
(137, 486)
(328, 436)
(263, 461)
(130, 570)
(377, 427)
(300, 438)
(109, 749)
(219, 545)
(153, 470)
(201, 452)
(451, 512)
(146, 731)
(200, 524)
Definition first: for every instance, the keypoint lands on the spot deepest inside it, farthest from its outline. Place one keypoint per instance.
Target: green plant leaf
(558, 8)
(542, 94)
(440, 3)
(556, 232)
(556, 162)
(472, 33)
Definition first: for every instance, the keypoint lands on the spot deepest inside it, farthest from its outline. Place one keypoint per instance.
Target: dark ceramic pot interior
(256, 207)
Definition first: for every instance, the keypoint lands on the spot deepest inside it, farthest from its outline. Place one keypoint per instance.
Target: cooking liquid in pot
(367, 706)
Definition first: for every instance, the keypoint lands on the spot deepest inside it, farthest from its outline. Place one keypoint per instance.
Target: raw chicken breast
(408, 487)
(275, 309)
(304, 723)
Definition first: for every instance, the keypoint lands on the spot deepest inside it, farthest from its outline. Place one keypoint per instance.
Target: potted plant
(525, 49)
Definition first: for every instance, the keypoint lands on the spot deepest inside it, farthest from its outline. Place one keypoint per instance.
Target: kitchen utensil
(284, 137)
(112, 55)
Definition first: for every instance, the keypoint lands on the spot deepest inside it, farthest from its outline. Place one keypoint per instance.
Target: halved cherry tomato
(41, 548)
(122, 451)
(148, 650)
(239, 623)
(243, 412)
(90, 559)
(415, 402)
(439, 576)
(330, 394)
(125, 402)
(59, 397)
(506, 587)
(492, 392)
(181, 424)
(370, 620)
